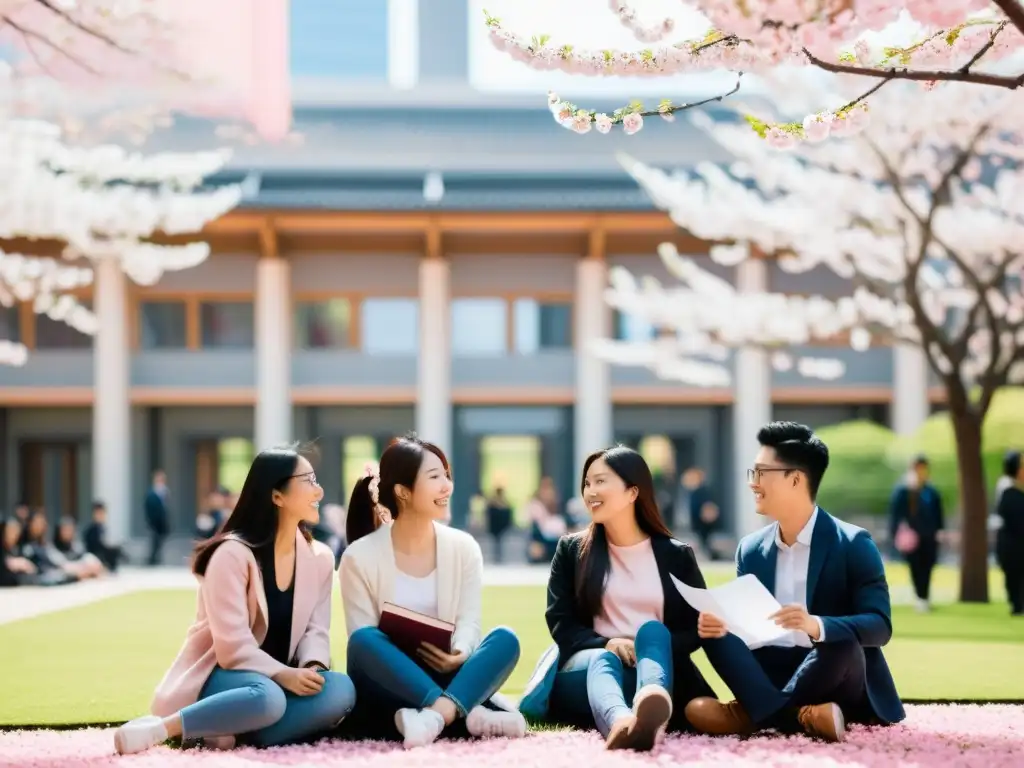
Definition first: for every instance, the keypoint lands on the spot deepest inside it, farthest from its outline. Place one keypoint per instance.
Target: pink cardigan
(231, 621)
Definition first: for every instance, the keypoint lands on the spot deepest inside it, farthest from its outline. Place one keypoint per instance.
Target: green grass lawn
(100, 663)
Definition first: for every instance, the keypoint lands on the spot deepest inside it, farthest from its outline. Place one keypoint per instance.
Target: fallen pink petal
(936, 736)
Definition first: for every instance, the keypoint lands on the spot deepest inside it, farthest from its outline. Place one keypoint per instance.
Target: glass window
(389, 326)
(512, 462)
(542, 325)
(162, 325)
(57, 334)
(227, 324)
(234, 456)
(10, 323)
(479, 327)
(323, 324)
(356, 451)
(340, 39)
(632, 328)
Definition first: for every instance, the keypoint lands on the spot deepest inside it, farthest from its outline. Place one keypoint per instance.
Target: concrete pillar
(433, 379)
(752, 403)
(910, 406)
(273, 319)
(443, 50)
(592, 418)
(403, 43)
(111, 410)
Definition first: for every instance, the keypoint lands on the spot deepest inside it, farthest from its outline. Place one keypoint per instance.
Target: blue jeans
(388, 680)
(236, 702)
(595, 687)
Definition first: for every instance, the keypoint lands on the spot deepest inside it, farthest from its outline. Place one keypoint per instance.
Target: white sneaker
(419, 727)
(488, 723)
(923, 606)
(139, 735)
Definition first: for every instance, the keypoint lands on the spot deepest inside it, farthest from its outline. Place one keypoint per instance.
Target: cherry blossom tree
(951, 41)
(136, 61)
(921, 213)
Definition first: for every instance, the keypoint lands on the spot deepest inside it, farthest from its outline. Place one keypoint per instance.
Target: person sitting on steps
(829, 577)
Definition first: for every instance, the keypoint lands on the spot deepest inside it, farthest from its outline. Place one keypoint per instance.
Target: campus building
(430, 259)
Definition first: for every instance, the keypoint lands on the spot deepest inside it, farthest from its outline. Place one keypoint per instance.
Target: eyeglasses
(754, 475)
(308, 477)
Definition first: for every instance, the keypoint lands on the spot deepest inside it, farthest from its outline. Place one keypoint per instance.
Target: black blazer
(573, 631)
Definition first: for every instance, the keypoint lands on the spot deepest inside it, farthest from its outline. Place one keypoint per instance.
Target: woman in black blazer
(623, 634)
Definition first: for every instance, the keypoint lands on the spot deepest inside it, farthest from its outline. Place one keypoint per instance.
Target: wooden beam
(268, 240)
(539, 222)
(597, 243)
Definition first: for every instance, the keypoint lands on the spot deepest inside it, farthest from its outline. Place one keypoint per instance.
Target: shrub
(861, 476)
(1003, 430)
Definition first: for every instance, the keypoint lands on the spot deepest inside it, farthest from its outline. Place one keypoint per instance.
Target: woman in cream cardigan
(256, 661)
(400, 552)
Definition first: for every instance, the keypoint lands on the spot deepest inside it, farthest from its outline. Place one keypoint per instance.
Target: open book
(410, 629)
(744, 605)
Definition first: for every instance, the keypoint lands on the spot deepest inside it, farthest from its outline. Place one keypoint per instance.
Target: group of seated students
(31, 557)
(256, 665)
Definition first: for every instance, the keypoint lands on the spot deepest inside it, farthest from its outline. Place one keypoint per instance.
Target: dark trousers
(922, 562)
(156, 548)
(773, 683)
(1011, 560)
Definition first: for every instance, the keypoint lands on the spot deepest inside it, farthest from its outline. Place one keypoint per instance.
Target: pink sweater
(633, 593)
(231, 621)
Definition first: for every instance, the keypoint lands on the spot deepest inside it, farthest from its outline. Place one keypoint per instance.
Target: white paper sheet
(744, 605)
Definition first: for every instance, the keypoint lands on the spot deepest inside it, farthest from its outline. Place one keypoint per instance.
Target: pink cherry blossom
(956, 39)
(947, 736)
(632, 123)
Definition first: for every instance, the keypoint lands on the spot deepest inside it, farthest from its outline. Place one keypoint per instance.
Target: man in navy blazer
(830, 580)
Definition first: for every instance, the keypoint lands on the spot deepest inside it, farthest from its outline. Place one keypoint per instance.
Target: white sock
(139, 735)
(419, 727)
(488, 723)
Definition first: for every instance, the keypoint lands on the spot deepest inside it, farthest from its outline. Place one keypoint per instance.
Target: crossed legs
(788, 689)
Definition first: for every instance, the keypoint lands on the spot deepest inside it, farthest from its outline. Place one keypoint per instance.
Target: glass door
(49, 478)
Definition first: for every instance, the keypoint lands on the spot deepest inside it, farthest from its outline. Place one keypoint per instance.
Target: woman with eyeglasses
(255, 665)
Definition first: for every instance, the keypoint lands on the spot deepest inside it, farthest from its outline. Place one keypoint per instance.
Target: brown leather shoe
(823, 721)
(718, 718)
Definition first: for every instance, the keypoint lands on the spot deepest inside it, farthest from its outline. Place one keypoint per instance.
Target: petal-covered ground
(932, 737)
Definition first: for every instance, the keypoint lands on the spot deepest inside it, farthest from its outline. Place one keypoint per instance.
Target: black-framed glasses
(309, 477)
(754, 475)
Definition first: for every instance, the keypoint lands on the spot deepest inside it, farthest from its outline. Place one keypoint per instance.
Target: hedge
(867, 460)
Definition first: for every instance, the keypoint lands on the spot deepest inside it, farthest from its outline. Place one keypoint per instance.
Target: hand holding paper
(746, 607)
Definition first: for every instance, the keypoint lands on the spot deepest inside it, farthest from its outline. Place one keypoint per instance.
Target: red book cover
(409, 629)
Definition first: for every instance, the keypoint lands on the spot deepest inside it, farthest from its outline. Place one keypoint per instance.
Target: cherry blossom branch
(570, 116)
(29, 34)
(651, 33)
(919, 75)
(68, 17)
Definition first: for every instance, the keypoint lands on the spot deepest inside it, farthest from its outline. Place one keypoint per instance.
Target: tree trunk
(973, 507)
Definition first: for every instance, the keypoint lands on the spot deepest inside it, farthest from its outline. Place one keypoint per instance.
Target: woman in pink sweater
(256, 662)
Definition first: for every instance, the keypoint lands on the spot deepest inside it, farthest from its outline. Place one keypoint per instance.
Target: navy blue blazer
(847, 588)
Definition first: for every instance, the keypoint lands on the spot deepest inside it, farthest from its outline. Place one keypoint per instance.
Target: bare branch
(1014, 12)
(30, 34)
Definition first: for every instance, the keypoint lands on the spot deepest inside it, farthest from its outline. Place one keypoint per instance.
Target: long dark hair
(254, 518)
(399, 465)
(594, 559)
